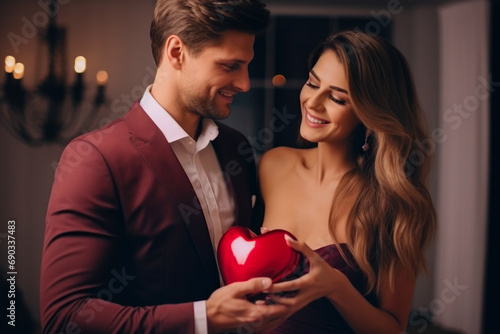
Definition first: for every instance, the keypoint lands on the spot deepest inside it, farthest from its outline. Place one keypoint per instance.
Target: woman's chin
(309, 136)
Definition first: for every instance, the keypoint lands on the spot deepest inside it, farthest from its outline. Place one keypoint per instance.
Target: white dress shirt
(200, 163)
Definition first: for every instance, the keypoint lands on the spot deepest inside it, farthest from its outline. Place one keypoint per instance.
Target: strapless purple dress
(320, 316)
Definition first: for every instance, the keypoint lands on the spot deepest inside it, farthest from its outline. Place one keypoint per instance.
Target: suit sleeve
(80, 279)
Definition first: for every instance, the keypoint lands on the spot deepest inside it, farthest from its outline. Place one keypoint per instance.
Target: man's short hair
(201, 22)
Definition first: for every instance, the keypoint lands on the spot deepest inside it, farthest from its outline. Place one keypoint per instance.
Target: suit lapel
(158, 154)
(235, 175)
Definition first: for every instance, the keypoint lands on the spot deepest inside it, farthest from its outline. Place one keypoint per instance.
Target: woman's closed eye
(341, 102)
(338, 101)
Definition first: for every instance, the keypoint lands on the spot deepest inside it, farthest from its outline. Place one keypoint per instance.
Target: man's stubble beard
(205, 107)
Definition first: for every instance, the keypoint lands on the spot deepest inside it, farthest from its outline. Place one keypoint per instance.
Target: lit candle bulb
(10, 63)
(102, 79)
(80, 64)
(15, 87)
(18, 71)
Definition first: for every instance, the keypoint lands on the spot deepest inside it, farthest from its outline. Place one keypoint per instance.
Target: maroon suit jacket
(126, 245)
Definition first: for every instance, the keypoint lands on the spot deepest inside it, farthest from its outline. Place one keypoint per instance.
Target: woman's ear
(173, 51)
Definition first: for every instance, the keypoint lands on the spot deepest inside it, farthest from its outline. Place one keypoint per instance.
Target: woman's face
(327, 114)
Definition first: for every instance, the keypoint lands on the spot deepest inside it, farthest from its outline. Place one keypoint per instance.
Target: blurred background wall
(114, 36)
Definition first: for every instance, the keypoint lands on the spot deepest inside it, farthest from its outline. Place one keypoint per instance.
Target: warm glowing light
(10, 62)
(19, 71)
(279, 80)
(102, 78)
(80, 64)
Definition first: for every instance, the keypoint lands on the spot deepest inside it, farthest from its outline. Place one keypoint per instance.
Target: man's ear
(173, 51)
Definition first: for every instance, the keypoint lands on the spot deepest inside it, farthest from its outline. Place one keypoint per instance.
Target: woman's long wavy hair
(392, 220)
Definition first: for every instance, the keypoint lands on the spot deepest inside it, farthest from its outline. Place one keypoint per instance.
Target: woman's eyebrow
(332, 87)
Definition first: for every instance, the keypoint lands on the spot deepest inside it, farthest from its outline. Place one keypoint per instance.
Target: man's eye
(231, 67)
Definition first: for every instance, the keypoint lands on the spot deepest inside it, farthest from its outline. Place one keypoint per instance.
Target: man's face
(211, 79)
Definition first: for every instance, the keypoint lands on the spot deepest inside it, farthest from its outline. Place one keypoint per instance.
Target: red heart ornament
(243, 255)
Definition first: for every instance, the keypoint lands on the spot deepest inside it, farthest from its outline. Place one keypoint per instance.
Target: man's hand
(228, 308)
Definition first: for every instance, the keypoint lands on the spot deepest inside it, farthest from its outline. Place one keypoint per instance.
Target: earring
(365, 146)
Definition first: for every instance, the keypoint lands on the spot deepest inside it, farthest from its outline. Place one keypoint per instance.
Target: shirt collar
(170, 128)
(209, 132)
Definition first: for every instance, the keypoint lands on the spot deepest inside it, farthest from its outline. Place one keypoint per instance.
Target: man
(138, 207)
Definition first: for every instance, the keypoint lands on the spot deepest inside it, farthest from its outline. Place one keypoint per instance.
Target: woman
(356, 198)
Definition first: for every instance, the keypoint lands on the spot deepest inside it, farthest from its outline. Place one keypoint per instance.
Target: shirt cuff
(200, 317)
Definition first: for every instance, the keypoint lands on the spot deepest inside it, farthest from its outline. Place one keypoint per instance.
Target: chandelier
(54, 111)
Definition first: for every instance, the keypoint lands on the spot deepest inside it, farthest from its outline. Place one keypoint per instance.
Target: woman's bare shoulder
(277, 166)
(281, 157)
(281, 162)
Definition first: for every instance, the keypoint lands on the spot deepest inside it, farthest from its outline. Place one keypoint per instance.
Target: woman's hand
(322, 280)
(390, 316)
